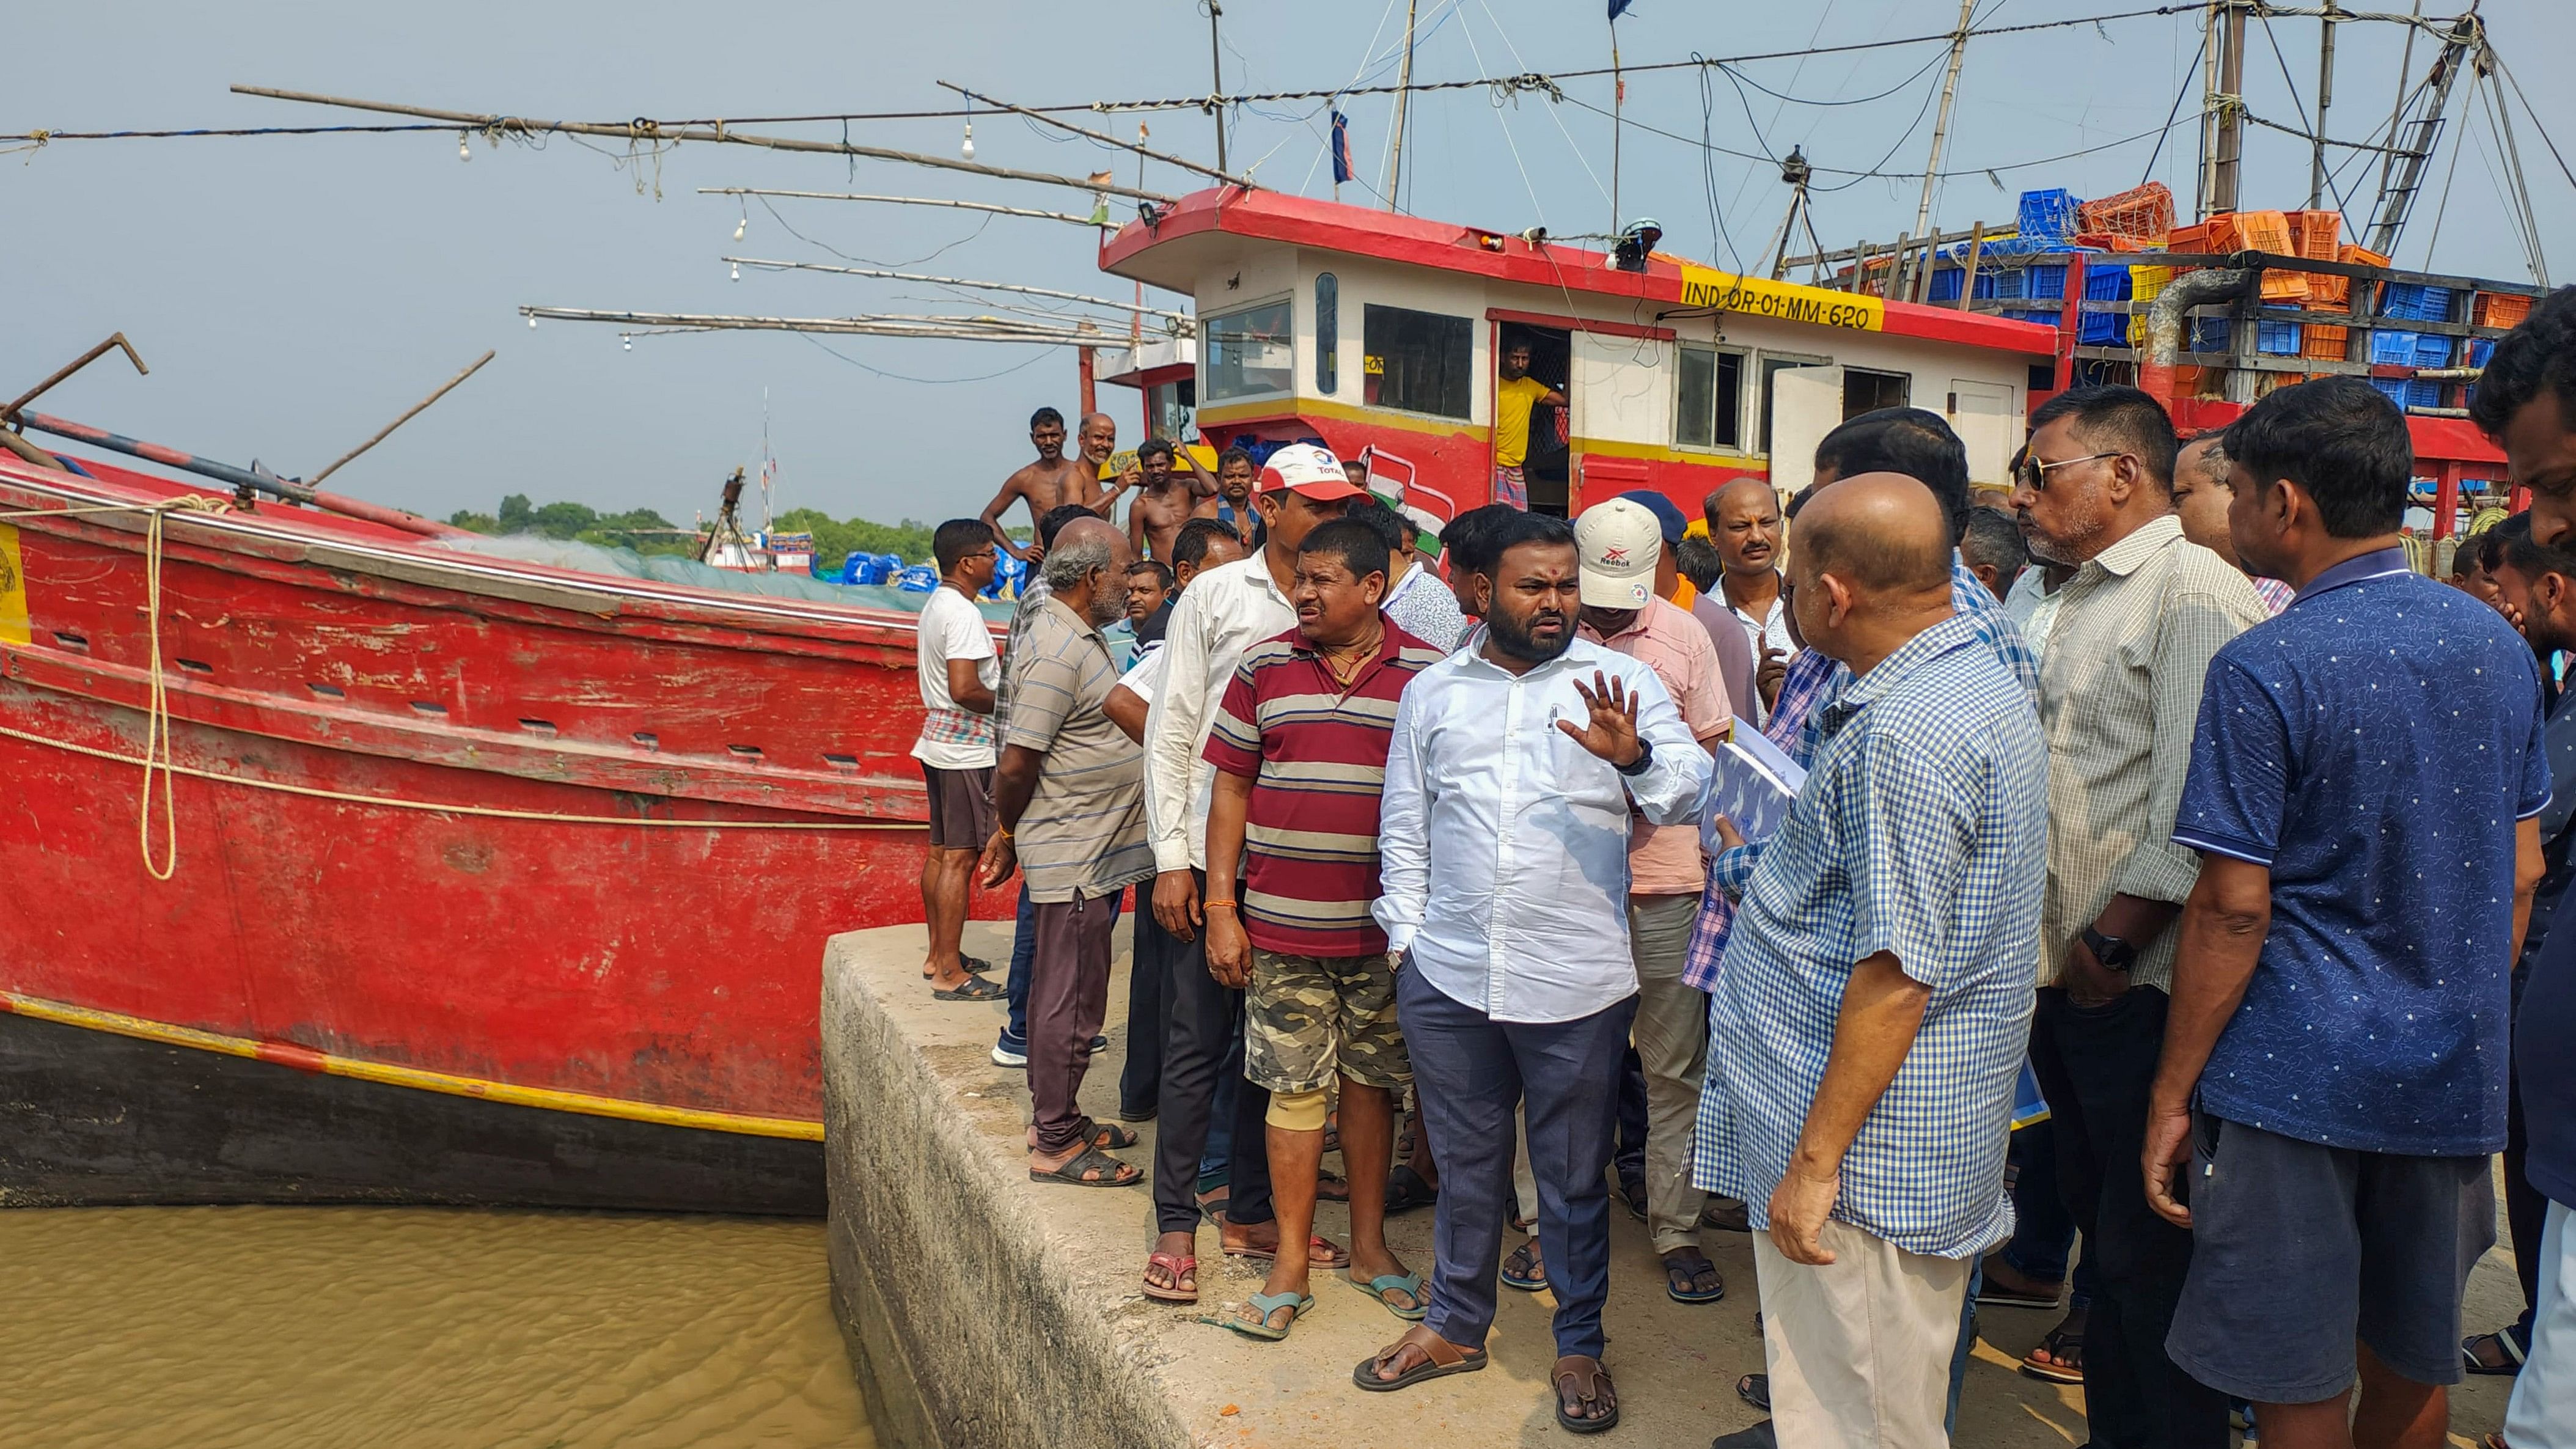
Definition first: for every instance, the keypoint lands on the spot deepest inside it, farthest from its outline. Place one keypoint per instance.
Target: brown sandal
(1590, 1385)
(1430, 1356)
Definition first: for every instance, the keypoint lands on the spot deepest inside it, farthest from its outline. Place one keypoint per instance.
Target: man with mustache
(1510, 782)
(1744, 523)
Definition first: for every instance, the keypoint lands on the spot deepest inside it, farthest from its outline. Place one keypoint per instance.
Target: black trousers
(1140, 1083)
(2095, 1067)
(1201, 1019)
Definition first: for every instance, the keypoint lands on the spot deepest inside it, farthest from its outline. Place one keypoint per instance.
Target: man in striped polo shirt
(1300, 747)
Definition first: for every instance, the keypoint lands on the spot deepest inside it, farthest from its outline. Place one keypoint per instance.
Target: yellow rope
(156, 759)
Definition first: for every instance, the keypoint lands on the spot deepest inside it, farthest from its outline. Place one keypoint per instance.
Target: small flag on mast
(1341, 148)
(1619, 7)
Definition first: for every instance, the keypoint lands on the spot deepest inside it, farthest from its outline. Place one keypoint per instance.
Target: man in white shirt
(1222, 613)
(1744, 523)
(958, 669)
(1513, 773)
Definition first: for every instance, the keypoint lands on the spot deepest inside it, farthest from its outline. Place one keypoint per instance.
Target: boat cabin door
(1547, 464)
(1806, 404)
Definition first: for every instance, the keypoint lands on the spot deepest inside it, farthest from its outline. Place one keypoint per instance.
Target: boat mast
(1216, 68)
(2325, 98)
(1940, 130)
(2223, 115)
(2397, 193)
(1403, 92)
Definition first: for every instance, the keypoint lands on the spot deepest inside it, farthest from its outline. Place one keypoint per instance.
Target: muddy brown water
(266, 1326)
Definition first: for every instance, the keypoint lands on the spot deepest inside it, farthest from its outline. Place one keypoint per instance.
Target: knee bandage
(1297, 1111)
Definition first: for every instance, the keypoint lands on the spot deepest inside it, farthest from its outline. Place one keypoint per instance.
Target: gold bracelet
(1212, 905)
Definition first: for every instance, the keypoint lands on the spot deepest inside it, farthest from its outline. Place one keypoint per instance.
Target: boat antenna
(1216, 70)
(415, 410)
(1404, 92)
(1795, 171)
(1618, 106)
(1940, 131)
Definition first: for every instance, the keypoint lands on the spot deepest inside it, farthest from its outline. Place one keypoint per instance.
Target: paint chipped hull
(659, 802)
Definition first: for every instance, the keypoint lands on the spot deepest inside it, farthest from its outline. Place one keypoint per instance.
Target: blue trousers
(1470, 1071)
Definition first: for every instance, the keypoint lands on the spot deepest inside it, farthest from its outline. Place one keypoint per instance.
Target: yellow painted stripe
(1315, 407)
(428, 1081)
(13, 588)
(1656, 453)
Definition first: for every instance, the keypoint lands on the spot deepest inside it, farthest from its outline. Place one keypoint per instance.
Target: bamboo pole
(900, 201)
(415, 410)
(962, 329)
(878, 272)
(1163, 156)
(645, 129)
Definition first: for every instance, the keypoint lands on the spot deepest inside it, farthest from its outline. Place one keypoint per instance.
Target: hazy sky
(292, 294)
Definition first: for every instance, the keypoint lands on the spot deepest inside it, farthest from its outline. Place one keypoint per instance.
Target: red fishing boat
(344, 864)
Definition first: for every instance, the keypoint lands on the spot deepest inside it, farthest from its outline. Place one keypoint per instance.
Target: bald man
(1878, 979)
(1054, 479)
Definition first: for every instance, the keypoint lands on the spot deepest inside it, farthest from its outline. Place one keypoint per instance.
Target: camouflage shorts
(1307, 1017)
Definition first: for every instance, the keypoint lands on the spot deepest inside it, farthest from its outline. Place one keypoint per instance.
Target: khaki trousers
(1859, 1349)
(1672, 1044)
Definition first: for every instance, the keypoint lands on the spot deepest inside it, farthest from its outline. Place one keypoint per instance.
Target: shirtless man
(1054, 479)
(1167, 500)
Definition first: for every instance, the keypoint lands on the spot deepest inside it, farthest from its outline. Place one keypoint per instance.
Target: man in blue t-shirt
(2363, 784)
(2527, 402)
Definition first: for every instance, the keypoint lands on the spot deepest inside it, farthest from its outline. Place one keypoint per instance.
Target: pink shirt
(1664, 860)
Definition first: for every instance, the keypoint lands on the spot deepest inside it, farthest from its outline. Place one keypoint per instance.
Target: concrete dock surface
(986, 1309)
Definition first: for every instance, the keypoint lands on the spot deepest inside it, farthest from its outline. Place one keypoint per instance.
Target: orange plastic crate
(2140, 213)
(2322, 340)
(2320, 233)
(2359, 256)
(2500, 309)
(2189, 240)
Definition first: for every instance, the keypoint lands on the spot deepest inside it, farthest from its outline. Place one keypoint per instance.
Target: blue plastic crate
(2106, 284)
(2416, 302)
(2409, 392)
(1945, 284)
(2480, 349)
(2047, 279)
(2045, 316)
(2276, 339)
(2106, 329)
(2410, 349)
(2047, 215)
(918, 579)
(2209, 334)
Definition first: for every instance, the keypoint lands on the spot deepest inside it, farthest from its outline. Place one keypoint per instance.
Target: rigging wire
(871, 261)
(2298, 105)
(901, 377)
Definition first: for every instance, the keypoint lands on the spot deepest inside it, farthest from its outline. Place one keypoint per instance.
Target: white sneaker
(1006, 1057)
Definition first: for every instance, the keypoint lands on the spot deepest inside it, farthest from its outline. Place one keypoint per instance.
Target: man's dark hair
(2117, 417)
(1197, 536)
(1913, 442)
(1161, 571)
(1054, 520)
(2492, 547)
(1237, 454)
(1523, 528)
(1385, 522)
(1044, 416)
(2342, 441)
(957, 538)
(1699, 562)
(1357, 542)
(1469, 538)
(1993, 538)
(2541, 353)
(1152, 446)
(2526, 557)
(1798, 501)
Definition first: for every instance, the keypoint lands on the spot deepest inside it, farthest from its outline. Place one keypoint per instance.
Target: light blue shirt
(1922, 830)
(1504, 843)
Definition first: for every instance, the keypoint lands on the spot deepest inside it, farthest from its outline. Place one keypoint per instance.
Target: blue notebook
(1752, 783)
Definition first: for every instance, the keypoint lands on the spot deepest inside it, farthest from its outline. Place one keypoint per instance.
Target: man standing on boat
(1224, 612)
(958, 669)
(1231, 504)
(1054, 479)
(1167, 501)
(1069, 802)
(1515, 394)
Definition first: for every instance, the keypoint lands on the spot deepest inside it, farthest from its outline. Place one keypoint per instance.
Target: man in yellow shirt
(1514, 395)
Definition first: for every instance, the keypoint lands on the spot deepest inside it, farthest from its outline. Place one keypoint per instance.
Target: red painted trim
(1578, 324)
(1446, 246)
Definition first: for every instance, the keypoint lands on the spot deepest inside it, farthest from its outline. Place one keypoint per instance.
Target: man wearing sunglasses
(2119, 684)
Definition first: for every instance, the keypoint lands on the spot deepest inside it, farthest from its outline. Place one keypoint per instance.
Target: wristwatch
(1645, 757)
(2114, 953)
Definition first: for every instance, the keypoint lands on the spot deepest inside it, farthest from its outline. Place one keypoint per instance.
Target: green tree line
(834, 538)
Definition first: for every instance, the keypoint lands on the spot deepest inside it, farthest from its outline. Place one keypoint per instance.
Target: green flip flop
(1410, 1284)
(1265, 1304)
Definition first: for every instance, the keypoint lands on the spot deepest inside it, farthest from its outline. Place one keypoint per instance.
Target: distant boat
(495, 882)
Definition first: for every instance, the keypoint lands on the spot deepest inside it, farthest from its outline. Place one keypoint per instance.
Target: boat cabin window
(1328, 333)
(1866, 392)
(1420, 362)
(1710, 411)
(1249, 352)
(1170, 408)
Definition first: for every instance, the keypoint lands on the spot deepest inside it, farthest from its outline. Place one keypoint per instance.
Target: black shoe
(1632, 1191)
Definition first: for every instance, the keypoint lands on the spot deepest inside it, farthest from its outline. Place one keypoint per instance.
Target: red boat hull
(562, 848)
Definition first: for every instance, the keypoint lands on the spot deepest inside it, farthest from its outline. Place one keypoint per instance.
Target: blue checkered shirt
(1813, 679)
(1922, 831)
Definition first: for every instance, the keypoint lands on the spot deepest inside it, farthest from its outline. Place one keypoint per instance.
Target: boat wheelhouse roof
(1201, 230)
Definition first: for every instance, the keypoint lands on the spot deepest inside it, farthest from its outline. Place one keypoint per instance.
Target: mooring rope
(156, 757)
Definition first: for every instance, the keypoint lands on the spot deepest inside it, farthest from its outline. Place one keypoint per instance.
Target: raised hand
(1611, 731)
(1770, 674)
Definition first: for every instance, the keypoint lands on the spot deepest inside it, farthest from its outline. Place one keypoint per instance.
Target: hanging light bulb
(737, 271)
(968, 150)
(464, 150)
(628, 338)
(532, 321)
(740, 226)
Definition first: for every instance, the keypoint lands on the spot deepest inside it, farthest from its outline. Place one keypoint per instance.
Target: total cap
(1307, 469)
(1620, 543)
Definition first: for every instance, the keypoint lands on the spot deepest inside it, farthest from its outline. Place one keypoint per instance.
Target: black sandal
(1592, 1386)
(2058, 1344)
(1755, 1389)
(975, 988)
(1405, 1190)
(1091, 1167)
(1108, 1136)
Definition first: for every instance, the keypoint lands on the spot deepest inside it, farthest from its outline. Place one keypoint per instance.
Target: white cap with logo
(1621, 543)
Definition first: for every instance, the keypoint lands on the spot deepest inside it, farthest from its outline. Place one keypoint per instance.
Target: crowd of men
(2167, 784)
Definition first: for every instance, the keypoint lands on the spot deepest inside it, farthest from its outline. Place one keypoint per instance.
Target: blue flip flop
(1385, 1283)
(1266, 1304)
